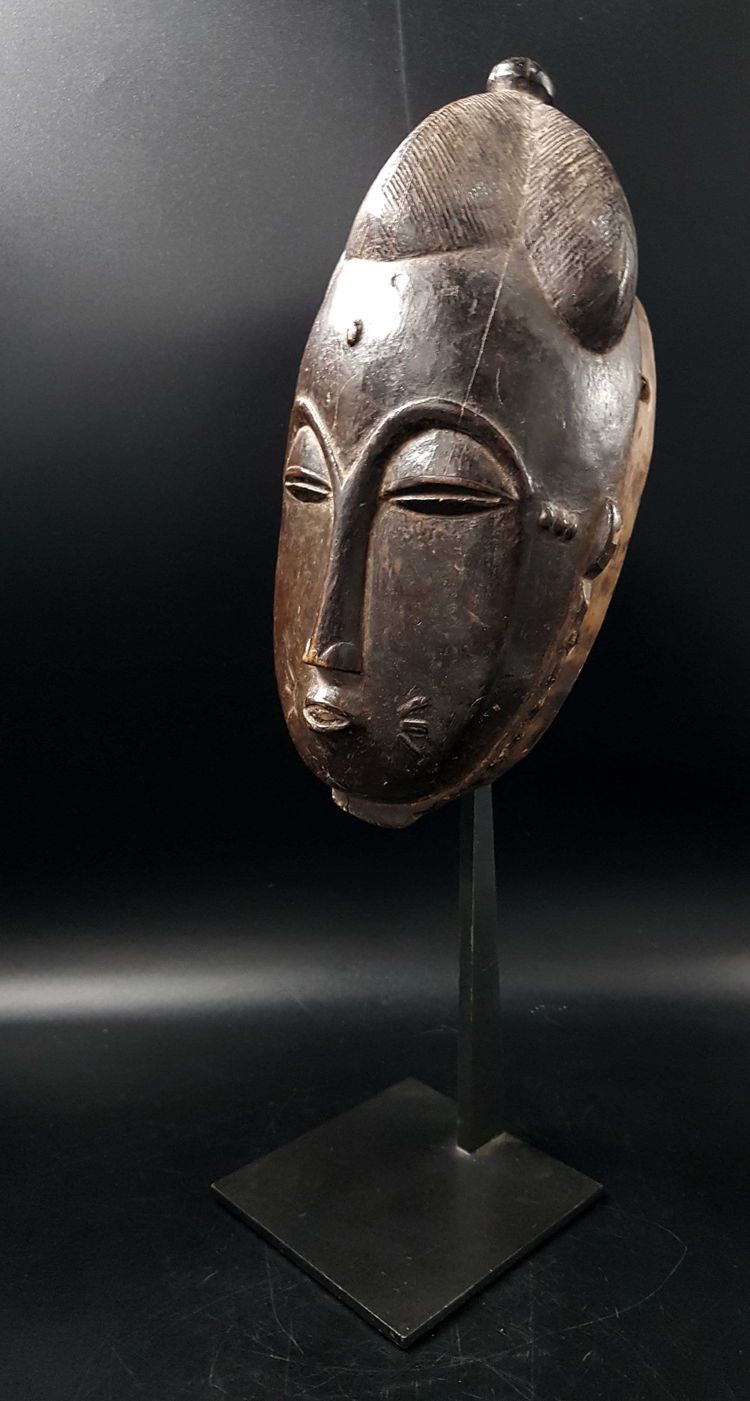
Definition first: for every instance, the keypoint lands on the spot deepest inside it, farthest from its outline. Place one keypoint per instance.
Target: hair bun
(578, 232)
(498, 171)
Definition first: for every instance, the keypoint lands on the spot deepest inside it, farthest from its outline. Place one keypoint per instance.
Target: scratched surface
(123, 1279)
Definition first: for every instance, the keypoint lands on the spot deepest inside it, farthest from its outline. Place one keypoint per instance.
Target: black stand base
(383, 1208)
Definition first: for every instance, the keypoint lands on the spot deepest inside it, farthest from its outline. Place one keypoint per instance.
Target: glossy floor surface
(123, 1278)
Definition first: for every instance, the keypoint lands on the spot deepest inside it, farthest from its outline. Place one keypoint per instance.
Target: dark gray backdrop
(203, 956)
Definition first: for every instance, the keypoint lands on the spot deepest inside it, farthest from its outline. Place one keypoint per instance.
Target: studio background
(202, 956)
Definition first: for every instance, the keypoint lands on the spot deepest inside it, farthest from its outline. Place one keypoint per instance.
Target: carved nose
(336, 643)
(340, 656)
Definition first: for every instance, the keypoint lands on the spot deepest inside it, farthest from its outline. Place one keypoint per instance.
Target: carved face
(459, 475)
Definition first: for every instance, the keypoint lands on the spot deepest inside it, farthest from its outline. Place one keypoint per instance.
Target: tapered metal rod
(479, 1056)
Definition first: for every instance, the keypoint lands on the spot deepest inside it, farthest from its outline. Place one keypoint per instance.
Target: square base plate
(381, 1207)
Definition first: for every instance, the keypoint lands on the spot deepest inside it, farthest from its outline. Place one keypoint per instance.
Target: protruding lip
(325, 718)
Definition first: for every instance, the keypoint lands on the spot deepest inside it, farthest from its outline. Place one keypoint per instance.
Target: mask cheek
(304, 546)
(439, 598)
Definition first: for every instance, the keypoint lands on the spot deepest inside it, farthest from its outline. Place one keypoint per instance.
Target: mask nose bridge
(336, 641)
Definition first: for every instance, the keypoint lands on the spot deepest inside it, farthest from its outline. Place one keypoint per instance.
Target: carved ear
(608, 527)
(578, 231)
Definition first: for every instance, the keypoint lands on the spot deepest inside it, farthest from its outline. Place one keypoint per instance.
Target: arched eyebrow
(420, 414)
(305, 412)
(408, 420)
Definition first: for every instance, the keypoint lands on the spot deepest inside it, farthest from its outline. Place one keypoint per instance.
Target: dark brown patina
(468, 445)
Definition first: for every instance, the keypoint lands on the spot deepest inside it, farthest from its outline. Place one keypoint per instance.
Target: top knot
(523, 74)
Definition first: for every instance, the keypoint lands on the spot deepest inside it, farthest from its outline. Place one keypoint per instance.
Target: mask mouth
(324, 718)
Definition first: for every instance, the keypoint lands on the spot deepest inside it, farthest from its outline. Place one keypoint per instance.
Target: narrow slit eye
(435, 496)
(305, 485)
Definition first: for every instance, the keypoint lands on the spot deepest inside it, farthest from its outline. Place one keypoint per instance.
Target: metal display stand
(409, 1204)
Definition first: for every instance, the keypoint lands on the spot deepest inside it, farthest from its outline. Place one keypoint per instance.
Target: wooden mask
(470, 437)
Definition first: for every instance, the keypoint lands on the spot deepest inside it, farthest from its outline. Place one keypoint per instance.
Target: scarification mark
(557, 520)
(414, 703)
(412, 742)
(418, 729)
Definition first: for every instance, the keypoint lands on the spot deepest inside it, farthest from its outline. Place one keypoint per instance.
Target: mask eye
(446, 496)
(306, 478)
(441, 472)
(306, 485)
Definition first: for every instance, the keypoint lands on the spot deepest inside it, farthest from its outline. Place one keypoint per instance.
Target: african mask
(470, 436)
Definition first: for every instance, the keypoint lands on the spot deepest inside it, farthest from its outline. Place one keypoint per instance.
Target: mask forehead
(472, 329)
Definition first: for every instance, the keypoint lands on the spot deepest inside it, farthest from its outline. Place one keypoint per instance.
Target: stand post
(389, 1205)
(479, 1056)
